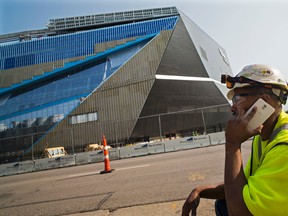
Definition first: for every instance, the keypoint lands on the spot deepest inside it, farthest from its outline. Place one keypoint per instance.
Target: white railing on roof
(108, 18)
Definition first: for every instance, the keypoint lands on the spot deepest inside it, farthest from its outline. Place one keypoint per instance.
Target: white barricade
(194, 142)
(133, 151)
(155, 148)
(217, 138)
(171, 145)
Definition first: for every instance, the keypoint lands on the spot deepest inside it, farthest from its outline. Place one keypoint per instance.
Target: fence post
(160, 129)
(203, 119)
(72, 140)
(32, 145)
(116, 135)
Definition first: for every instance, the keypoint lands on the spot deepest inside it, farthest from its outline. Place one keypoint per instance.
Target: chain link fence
(19, 144)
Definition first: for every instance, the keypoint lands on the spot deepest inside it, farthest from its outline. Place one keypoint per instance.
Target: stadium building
(133, 76)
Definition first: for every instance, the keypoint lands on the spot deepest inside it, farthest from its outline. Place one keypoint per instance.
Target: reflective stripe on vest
(273, 135)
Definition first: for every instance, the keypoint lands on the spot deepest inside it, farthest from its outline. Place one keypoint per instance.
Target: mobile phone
(264, 111)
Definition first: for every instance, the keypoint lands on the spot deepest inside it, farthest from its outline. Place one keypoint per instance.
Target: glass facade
(49, 49)
(55, 99)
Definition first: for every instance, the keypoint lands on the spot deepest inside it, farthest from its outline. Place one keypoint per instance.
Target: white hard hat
(259, 75)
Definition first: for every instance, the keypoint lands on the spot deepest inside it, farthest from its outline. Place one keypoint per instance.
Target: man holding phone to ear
(261, 188)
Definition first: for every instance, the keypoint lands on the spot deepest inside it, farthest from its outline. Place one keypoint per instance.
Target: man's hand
(236, 133)
(237, 130)
(191, 203)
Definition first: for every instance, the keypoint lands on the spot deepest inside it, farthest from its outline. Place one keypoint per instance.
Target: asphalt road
(139, 181)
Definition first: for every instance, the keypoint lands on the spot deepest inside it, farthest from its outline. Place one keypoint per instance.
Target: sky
(251, 31)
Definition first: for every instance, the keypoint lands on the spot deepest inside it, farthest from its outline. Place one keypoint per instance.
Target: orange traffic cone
(106, 157)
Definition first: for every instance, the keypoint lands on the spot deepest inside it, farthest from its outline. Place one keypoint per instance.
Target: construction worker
(262, 187)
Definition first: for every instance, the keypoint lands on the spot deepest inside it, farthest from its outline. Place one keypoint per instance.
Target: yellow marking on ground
(174, 206)
(196, 176)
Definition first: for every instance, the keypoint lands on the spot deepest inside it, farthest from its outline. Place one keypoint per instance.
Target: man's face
(243, 98)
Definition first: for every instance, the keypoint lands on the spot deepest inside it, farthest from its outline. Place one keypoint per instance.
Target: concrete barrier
(155, 148)
(81, 158)
(133, 151)
(2, 169)
(88, 157)
(68, 160)
(217, 138)
(95, 156)
(114, 154)
(9, 169)
(52, 163)
(172, 145)
(46, 163)
(16, 168)
(194, 142)
(26, 166)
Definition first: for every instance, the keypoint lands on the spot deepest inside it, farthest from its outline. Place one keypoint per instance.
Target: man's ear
(266, 97)
(271, 99)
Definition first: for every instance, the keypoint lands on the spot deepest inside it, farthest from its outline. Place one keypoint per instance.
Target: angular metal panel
(176, 106)
(119, 101)
(181, 56)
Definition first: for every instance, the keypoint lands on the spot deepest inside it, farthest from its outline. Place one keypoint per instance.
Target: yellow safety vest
(266, 192)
